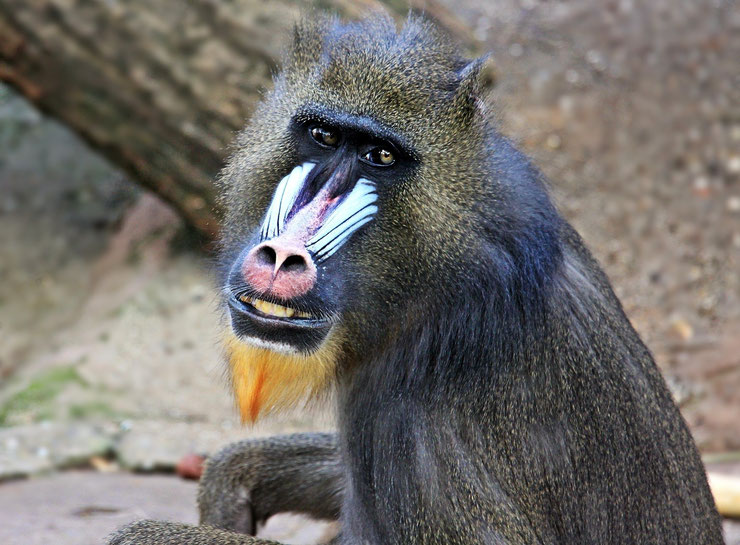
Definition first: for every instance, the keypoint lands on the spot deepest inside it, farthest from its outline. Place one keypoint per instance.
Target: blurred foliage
(40, 393)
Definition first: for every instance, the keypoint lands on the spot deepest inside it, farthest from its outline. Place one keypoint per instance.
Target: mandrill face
(343, 222)
(291, 289)
(285, 287)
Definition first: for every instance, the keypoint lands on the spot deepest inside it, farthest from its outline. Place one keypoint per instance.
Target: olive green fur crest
(410, 79)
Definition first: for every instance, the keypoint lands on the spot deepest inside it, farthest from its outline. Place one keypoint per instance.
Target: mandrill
(384, 242)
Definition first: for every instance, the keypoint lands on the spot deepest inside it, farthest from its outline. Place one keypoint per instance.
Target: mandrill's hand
(228, 484)
(150, 532)
(247, 482)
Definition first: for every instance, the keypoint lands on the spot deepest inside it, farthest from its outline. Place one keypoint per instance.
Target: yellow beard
(265, 381)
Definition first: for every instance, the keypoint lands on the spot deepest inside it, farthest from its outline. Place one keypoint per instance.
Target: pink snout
(280, 267)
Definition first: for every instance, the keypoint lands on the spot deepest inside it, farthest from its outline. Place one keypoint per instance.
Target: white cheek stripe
(283, 200)
(329, 249)
(355, 210)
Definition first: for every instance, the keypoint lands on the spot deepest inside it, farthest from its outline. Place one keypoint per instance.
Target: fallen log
(159, 87)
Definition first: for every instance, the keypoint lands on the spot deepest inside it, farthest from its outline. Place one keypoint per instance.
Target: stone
(32, 449)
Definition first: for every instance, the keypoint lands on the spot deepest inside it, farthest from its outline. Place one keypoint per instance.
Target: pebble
(694, 274)
(701, 186)
(190, 466)
(596, 59)
(733, 164)
(553, 141)
(682, 329)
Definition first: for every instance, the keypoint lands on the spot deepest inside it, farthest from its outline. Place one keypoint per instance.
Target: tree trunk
(158, 86)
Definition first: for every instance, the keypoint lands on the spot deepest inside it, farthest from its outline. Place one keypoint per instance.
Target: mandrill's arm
(155, 532)
(249, 481)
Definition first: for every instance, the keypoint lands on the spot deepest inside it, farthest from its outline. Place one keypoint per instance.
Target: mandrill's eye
(325, 136)
(381, 157)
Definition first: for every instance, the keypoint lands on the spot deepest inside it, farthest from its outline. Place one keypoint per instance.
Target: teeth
(272, 309)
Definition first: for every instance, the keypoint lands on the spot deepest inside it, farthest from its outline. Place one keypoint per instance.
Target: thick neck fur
(529, 385)
(471, 330)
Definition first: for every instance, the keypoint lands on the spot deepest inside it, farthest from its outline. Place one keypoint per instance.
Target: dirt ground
(95, 505)
(632, 109)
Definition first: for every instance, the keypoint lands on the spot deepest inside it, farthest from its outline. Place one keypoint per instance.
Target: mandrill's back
(606, 456)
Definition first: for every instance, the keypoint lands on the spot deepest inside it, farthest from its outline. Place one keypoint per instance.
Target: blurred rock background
(109, 325)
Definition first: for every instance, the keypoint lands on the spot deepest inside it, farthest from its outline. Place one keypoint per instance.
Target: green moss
(42, 390)
(92, 409)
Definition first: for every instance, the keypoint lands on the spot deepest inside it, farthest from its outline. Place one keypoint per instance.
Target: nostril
(266, 256)
(278, 258)
(282, 268)
(294, 263)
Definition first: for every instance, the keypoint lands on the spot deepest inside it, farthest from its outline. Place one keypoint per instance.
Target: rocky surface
(137, 445)
(83, 507)
(38, 448)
